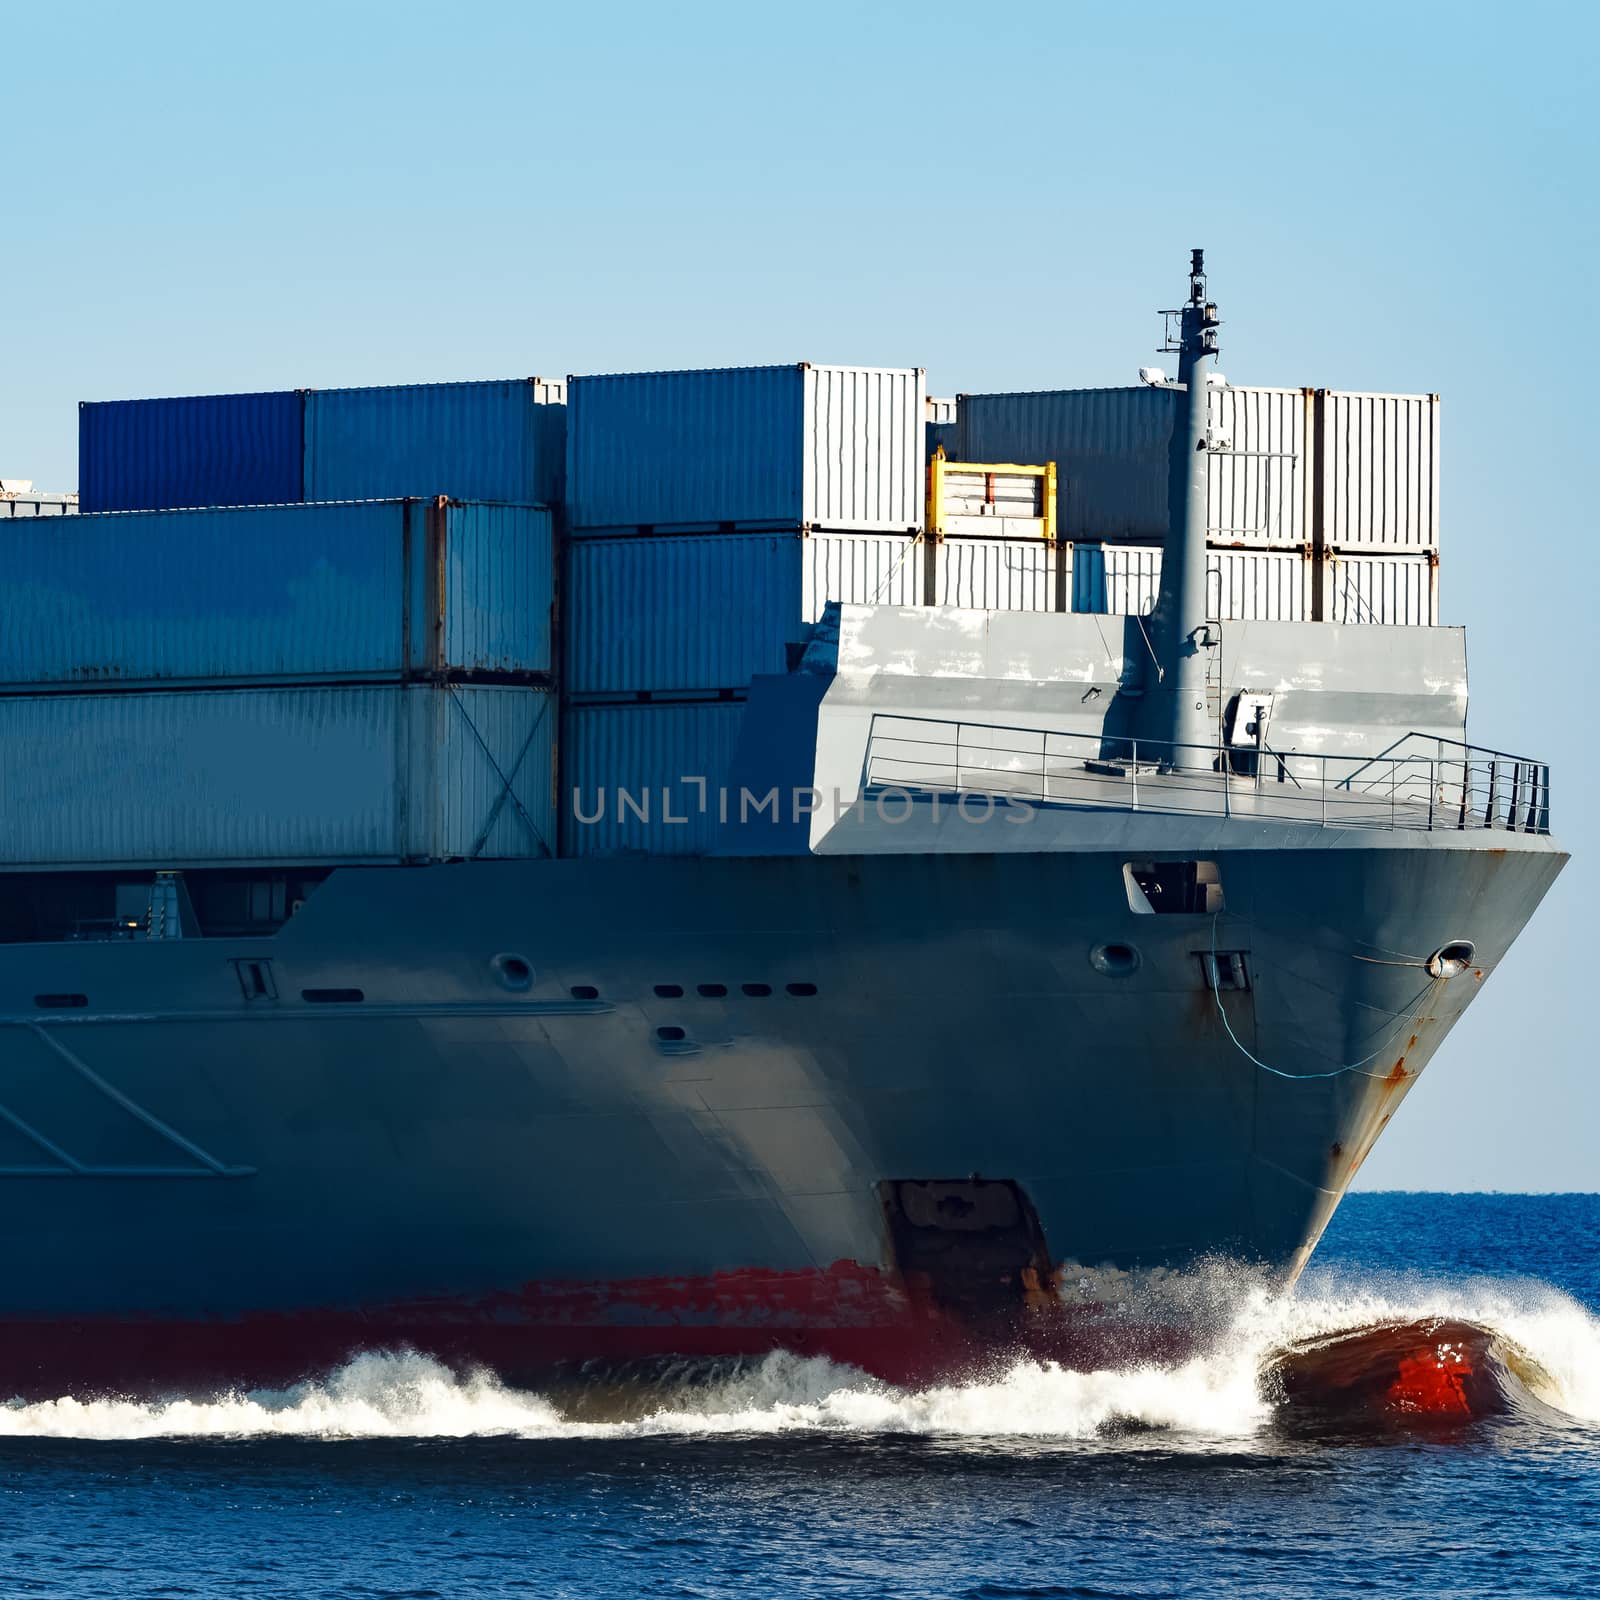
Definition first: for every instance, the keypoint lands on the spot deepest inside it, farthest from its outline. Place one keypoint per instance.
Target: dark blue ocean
(394, 1478)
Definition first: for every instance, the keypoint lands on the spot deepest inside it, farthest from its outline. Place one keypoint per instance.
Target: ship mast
(1176, 711)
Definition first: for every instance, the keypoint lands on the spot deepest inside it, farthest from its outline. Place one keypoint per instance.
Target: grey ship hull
(919, 1126)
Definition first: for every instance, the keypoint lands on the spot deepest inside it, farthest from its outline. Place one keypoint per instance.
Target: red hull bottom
(546, 1333)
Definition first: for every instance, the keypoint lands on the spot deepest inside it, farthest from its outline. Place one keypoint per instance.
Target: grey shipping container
(647, 777)
(499, 440)
(205, 777)
(372, 589)
(747, 448)
(1294, 467)
(695, 612)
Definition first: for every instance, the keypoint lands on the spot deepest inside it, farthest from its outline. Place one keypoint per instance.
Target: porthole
(1451, 960)
(669, 991)
(711, 991)
(584, 991)
(60, 1002)
(803, 990)
(669, 1034)
(333, 997)
(756, 991)
(1115, 960)
(514, 972)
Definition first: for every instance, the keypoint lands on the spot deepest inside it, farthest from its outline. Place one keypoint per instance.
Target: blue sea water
(395, 1478)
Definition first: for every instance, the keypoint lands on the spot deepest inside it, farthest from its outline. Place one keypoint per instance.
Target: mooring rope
(1403, 1021)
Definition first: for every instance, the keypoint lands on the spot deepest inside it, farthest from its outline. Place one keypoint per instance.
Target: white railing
(1421, 782)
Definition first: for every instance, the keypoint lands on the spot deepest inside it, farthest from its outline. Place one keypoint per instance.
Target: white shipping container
(861, 569)
(648, 778)
(1119, 579)
(362, 589)
(1241, 585)
(1259, 482)
(686, 613)
(217, 777)
(1390, 589)
(997, 574)
(1380, 471)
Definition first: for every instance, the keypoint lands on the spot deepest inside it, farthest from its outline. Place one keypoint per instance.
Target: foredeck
(1419, 782)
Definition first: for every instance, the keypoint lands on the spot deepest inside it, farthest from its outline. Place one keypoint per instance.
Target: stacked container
(500, 440)
(712, 515)
(992, 542)
(1322, 505)
(345, 680)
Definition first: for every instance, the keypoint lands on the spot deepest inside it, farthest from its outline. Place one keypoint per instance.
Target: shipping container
(214, 777)
(503, 440)
(366, 589)
(749, 448)
(647, 777)
(1241, 585)
(694, 612)
(1392, 589)
(938, 411)
(1258, 585)
(1109, 446)
(998, 574)
(196, 450)
(1380, 471)
(1259, 477)
(1118, 579)
(862, 569)
(1374, 484)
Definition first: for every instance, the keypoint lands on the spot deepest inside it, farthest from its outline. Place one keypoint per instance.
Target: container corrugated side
(1109, 446)
(646, 777)
(746, 447)
(864, 448)
(499, 587)
(293, 775)
(861, 569)
(1241, 585)
(1258, 585)
(275, 592)
(1118, 579)
(996, 574)
(499, 440)
(193, 450)
(1380, 471)
(1260, 483)
(1390, 589)
(691, 612)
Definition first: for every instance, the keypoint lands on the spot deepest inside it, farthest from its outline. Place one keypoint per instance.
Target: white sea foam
(1215, 1396)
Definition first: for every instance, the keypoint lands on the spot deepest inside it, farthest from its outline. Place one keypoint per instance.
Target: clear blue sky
(1392, 196)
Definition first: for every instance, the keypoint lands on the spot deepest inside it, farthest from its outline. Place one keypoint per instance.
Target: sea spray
(1217, 1395)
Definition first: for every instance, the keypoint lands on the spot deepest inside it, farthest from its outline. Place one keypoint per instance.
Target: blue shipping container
(502, 440)
(797, 446)
(198, 450)
(276, 593)
(649, 778)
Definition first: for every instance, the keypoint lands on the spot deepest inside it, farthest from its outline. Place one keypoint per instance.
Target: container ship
(680, 865)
